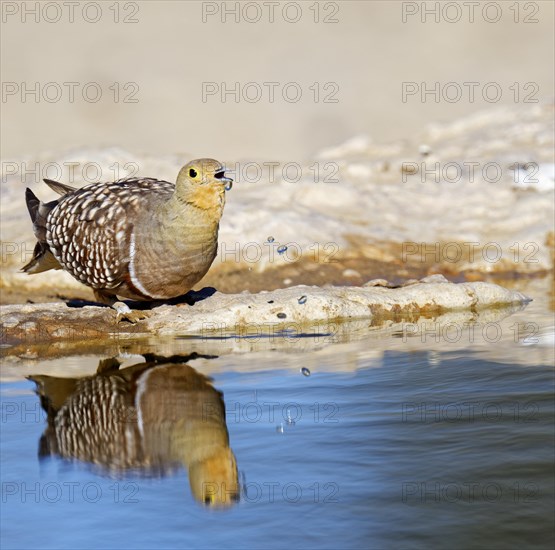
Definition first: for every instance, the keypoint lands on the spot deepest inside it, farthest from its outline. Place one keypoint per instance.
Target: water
(392, 441)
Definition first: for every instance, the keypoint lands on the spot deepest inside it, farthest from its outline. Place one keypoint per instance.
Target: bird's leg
(124, 312)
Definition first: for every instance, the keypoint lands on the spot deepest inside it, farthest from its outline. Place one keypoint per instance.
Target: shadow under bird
(148, 419)
(138, 238)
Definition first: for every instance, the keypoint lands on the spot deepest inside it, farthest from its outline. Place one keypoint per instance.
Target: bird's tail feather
(42, 259)
(60, 188)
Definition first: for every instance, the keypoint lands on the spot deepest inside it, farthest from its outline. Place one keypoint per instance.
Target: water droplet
(305, 371)
(302, 300)
(279, 429)
(289, 420)
(228, 185)
(424, 150)
(281, 249)
(271, 239)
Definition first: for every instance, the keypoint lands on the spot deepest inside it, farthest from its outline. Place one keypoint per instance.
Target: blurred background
(347, 62)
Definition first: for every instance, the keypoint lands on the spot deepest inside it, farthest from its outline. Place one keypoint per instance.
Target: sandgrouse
(149, 418)
(140, 238)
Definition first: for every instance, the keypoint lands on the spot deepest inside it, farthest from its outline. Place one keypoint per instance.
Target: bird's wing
(89, 230)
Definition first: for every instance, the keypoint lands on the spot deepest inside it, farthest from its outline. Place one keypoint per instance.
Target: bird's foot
(125, 313)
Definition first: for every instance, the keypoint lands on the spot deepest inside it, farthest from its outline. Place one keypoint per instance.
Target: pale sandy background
(170, 52)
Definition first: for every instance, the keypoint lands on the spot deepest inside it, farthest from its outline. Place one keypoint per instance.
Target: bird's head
(214, 480)
(201, 172)
(202, 183)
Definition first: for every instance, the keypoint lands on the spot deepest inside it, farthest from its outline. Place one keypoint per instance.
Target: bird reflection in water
(151, 419)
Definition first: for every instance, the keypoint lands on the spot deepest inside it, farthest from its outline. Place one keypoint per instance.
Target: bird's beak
(220, 175)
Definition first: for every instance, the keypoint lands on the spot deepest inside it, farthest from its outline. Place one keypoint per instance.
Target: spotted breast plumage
(139, 238)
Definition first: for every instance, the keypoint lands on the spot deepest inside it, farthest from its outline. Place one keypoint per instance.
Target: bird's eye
(192, 173)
